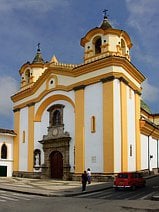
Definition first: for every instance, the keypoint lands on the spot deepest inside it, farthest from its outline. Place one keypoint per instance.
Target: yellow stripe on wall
(137, 124)
(124, 137)
(79, 131)
(30, 137)
(16, 140)
(108, 127)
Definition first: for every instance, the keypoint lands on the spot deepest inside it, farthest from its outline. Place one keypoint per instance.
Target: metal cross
(38, 46)
(105, 13)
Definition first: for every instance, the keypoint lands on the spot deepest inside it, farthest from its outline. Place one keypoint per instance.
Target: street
(107, 200)
(145, 193)
(70, 204)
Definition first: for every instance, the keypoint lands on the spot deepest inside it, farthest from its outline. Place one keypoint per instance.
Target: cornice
(76, 86)
(32, 65)
(149, 129)
(111, 31)
(84, 69)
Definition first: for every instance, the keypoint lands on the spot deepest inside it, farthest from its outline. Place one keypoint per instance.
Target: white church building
(70, 117)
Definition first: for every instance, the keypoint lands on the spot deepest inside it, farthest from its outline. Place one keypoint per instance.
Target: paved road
(110, 194)
(7, 197)
(141, 193)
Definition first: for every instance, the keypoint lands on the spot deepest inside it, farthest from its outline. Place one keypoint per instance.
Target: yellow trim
(48, 101)
(83, 69)
(146, 128)
(108, 127)
(30, 137)
(137, 130)
(111, 31)
(54, 77)
(30, 66)
(68, 88)
(124, 137)
(16, 140)
(79, 132)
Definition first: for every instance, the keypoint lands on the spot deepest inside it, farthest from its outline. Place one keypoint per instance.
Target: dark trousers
(84, 186)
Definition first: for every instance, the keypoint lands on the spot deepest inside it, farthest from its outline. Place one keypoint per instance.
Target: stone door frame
(61, 145)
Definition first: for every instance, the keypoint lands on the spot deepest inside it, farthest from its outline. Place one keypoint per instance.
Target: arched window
(37, 157)
(27, 76)
(123, 47)
(98, 43)
(56, 115)
(4, 151)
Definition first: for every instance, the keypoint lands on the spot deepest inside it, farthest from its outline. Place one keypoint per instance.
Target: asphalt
(49, 187)
(54, 188)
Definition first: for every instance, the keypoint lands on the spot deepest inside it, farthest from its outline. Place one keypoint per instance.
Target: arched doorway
(56, 165)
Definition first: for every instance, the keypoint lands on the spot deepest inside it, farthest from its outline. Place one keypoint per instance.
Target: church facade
(68, 118)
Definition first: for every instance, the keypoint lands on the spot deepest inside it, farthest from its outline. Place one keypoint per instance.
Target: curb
(87, 192)
(41, 193)
(155, 198)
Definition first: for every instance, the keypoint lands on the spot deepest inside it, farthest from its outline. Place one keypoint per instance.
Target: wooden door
(56, 165)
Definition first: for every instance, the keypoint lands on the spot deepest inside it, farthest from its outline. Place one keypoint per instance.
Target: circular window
(51, 82)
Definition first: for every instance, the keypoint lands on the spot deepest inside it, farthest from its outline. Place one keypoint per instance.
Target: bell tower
(104, 41)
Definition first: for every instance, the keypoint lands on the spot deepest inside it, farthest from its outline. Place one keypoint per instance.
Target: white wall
(144, 152)
(131, 129)
(94, 141)
(117, 127)
(153, 153)
(8, 140)
(40, 128)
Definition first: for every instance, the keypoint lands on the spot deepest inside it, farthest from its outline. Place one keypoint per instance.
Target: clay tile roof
(7, 131)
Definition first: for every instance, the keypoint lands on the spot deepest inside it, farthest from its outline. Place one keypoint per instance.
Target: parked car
(129, 180)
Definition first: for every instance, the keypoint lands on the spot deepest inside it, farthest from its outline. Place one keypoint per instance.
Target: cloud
(143, 18)
(8, 87)
(38, 5)
(150, 93)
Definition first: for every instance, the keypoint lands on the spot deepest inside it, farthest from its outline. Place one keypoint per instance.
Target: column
(16, 140)
(124, 136)
(108, 125)
(79, 130)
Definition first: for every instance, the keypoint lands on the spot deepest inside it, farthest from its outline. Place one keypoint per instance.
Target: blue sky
(59, 25)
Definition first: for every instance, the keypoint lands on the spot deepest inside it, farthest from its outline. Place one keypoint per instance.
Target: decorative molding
(108, 79)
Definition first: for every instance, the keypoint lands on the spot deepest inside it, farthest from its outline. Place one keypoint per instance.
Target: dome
(105, 24)
(38, 57)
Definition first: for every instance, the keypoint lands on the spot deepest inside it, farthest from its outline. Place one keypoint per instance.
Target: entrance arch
(56, 165)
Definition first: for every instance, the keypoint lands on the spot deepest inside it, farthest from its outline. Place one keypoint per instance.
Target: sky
(58, 25)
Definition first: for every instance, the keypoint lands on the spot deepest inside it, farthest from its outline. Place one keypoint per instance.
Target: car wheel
(133, 187)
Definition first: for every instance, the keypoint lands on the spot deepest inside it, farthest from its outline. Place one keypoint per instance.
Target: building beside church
(68, 117)
(6, 152)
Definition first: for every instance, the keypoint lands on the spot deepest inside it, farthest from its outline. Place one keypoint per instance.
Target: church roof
(145, 107)
(38, 57)
(6, 131)
(105, 24)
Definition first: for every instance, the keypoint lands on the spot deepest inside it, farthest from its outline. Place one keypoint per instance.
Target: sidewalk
(49, 187)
